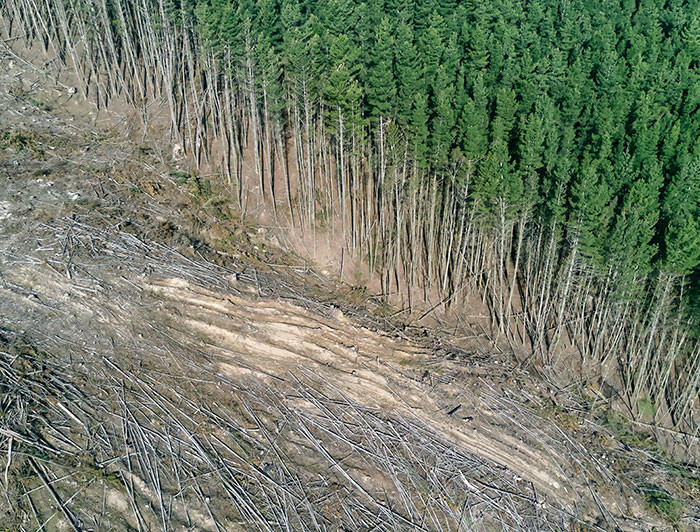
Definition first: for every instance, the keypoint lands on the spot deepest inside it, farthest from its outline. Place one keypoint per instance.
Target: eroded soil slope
(157, 374)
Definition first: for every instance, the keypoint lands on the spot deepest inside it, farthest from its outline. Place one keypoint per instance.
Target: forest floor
(163, 366)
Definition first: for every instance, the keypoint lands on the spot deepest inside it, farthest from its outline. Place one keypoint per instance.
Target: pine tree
(291, 17)
(474, 124)
(681, 209)
(443, 122)
(381, 83)
(590, 214)
(477, 52)
(407, 73)
(422, 14)
(218, 23)
(646, 129)
(691, 38)
(339, 17)
(530, 161)
(631, 247)
(419, 129)
(431, 46)
(267, 22)
(341, 89)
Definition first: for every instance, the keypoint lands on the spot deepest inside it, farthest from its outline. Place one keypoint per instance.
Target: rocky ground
(164, 367)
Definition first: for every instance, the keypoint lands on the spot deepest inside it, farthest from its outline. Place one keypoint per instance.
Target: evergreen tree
(530, 161)
(341, 89)
(590, 215)
(419, 129)
(474, 123)
(408, 73)
(477, 53)
(443, 122)
(631, 248)
(381, 85)
(681, 208)
(268, 23)
(431, 46)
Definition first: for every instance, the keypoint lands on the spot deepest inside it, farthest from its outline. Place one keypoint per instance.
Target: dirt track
(157, 384)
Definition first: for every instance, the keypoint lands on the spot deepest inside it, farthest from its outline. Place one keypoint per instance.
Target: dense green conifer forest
(542, 155)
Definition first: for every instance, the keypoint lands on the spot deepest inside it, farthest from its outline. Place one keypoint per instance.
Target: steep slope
(152, 381)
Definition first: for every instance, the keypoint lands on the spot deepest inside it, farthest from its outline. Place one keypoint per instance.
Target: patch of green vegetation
(561, 417)
(180, 176)
(623, 431)
(41, 105)
(660, 501)
(230, 243)
(18, 91)
(222, 210)
(384, 309)
(89, 204)
(687, 481)
(356, 295)
(201, 190)
(666, 506)
(91, 470)
(646, 408)
(681, 471)
(17, 141)
(41, 172)
(196, 187)
(357, 277)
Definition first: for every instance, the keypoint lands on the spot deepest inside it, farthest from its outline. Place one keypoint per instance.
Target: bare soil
(165, 367)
